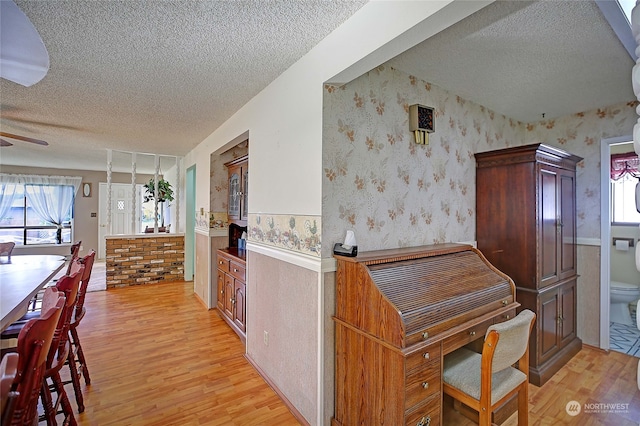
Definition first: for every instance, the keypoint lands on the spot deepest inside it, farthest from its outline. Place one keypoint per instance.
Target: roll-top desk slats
(397, 313)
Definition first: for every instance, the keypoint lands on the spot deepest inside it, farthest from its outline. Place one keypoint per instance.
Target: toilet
(621, 295)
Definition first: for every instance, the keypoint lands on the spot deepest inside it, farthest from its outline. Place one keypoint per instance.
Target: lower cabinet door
(220, 292)
(548, 325)
(228, 296)
(240, 311)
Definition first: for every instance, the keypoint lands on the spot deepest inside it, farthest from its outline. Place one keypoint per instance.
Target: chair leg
(67, 409)
(484, 416)
(47, 404)
(75, 339)
(75, 380)
(523, 405)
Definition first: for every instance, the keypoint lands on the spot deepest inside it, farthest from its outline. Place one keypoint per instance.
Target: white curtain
(8, 185)
(51, 197)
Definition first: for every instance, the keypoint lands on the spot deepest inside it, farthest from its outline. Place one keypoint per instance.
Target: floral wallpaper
(296, 233)
(393, 193)
(581, 134)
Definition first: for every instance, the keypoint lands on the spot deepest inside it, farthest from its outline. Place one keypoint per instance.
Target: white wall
(284, 126)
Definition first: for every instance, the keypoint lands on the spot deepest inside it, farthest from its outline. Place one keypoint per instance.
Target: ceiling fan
(4, 142)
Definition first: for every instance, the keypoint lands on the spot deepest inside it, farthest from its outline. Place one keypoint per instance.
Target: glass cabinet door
(245, 192)
(234, 195)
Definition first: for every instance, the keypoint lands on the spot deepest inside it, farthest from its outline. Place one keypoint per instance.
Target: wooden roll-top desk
(398, 312)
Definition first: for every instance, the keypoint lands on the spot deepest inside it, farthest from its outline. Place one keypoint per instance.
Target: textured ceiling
(160, 76)
(524, 59)
(152, 76)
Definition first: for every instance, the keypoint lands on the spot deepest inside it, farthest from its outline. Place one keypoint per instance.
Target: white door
(121, 213)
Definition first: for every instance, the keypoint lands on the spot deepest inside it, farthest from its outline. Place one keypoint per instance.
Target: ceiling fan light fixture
(23, 56)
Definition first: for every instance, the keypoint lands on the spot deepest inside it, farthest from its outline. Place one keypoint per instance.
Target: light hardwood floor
(157, 357)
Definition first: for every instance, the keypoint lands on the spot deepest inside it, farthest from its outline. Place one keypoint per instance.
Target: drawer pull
(235, 270)
(472, 333)
(425, 421)
(507, 316)
(505, 302)
(221, 262)
(425, 385)
(221, 291)
(425, 355)
(425, 335)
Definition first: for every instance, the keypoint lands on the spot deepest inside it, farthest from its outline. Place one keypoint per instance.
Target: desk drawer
(505, 317)
(426, 414)
(237, 270)
(223, 263)
(422, 383)
(422, 358)
(470, 334)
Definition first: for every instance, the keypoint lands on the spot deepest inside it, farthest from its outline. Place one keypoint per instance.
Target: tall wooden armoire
(526, 227)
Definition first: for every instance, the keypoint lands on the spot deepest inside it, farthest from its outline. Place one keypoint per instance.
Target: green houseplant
(165, 193)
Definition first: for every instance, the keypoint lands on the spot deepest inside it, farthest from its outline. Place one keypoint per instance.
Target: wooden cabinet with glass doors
(238, 189)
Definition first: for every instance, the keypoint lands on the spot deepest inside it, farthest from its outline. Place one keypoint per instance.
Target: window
(623, 200)
(37, 209)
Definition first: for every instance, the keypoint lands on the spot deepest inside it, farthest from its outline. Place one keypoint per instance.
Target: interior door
(122, 210)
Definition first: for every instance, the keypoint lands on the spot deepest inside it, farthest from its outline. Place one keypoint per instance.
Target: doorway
(608, 253)
(189, 235)
(121, 213)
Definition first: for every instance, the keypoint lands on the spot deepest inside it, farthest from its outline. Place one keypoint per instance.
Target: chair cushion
(462, 371)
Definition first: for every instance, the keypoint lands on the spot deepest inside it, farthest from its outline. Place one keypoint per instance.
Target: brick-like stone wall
(144, 260)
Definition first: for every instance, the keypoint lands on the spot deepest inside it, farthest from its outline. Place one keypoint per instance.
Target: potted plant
(165, 193)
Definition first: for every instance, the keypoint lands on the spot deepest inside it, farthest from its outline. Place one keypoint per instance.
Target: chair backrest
(7, 248)
(68, 285)
(513, 339)
(87, 261)
(49, 298)
(75, 252)
(75, 249)
(8, 372)
(34, 342)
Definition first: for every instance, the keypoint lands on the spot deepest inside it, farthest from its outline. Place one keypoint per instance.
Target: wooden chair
(75, 251)
(484, 382)
(79, 313)
(77, 360)
(8, 373)
(34, 342)
(58, 355)
(6, 249)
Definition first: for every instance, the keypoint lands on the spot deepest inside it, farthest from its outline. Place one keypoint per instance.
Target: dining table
(20, 280)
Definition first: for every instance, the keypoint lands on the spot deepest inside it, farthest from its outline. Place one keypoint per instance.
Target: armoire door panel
(548, 324)
(568, 303)
(549, 227)
(568, 228)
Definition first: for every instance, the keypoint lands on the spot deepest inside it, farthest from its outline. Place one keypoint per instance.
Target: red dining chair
(34, 342)
(58, 355)
(8, 373)
(74, 253)
(78, 314)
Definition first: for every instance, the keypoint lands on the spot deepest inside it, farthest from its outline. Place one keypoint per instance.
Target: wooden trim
(596, 348)
(282, 396)
(405, 253)
(237, 160)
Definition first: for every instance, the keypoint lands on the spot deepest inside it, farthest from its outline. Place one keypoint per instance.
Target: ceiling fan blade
(5, 143)
(24, 138)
